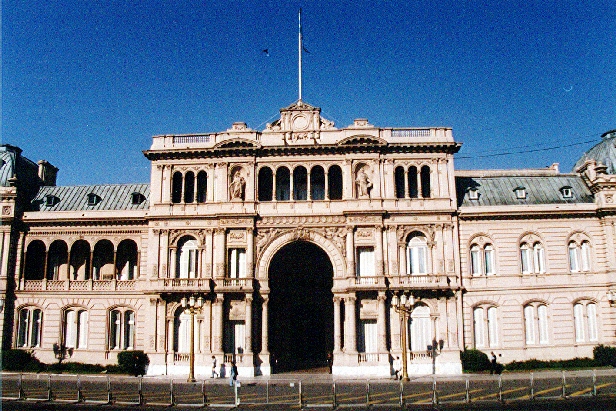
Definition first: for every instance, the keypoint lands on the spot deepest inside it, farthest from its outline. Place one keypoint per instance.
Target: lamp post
(194, 306)
(404, 307)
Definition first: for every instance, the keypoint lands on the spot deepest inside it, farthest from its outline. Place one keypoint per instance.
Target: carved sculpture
(364, 184)
(237, 186)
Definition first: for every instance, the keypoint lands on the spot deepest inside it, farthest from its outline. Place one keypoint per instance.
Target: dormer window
(473, 194)
(93, 199)
(137, 198)
(51, 200)
(567, 192)
(520, 193)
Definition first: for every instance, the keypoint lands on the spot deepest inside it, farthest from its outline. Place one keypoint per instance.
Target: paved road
(603, 404)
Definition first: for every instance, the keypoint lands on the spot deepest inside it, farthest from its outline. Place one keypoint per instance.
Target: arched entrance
(301, 308)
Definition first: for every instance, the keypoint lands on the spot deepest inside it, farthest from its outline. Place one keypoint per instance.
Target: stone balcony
(234, 284)
(423, 281)
(180, 285)
(79, 285)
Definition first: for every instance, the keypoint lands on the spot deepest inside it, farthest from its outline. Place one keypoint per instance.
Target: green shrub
(75, 368)
(474, 361)
(133, 362)
(553, 365)
(604, 356)
(20, 360)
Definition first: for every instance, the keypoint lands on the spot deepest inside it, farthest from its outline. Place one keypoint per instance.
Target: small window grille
(473, 194)
(567, 192)
(137, 198)
(93, 199)
(520, 193)
(50, 200)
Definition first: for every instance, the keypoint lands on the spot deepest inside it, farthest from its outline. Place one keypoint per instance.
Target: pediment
(362, 140)
(236, 143)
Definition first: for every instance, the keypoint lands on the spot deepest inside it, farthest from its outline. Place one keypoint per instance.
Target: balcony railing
(423, 280)
(368, 357)
(236, 282)
(79, 285)
(180, 284)
(237, 357)
(181, 357)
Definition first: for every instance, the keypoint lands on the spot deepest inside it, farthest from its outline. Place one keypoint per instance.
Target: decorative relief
(237, 311)
(6, 210)
(237, 236)
(152, 341)
(609, 198)
(366, 219)
(235, 222)
(336, 235)
(304, 220)
(404, 231)
(364, 233)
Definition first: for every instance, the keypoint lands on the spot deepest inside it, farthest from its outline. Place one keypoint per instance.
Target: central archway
(301, 309)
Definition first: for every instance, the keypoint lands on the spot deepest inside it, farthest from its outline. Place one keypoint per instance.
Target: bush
(133, 362)
(75, 368)
(604, 356)
(554, 364)
(474, 361)
(20, 360)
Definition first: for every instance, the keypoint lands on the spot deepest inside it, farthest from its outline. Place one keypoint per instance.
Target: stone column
(161, 308)
(248, 324)
(418, 177)
(292, 185)
(219, 253)
(308, 186)
(138, 265)
(264, 322)
(394, 326)
(337, 342)
(165, 184)
(350, 327)
(350, 252)
(172, 263)
(250, 252)
(217, 325)
(378, 251)
(326, 188)
(68, 265)
(209, 255)
(381, 322)
(406, 183)
(402, 258)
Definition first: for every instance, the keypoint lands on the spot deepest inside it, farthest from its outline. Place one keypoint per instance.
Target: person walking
(493, 363)
(214, 372)
(397, 366)
(233, 374)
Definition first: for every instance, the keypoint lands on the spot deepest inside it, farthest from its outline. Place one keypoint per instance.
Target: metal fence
(310, 392)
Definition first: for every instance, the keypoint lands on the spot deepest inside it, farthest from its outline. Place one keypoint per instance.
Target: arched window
(29, 328)
(201, 187)
(412, 182)
(399, 182)
(482, 260)
(585, 320)
(35, 261)
(317, 183)
(102, 260)
(425, 182)
(283, 184)
(265, 190)
(532, 258)
(579, 256)
(536, 324)
(126, 261)
(182, 331)
(189, 187)
(57, 259)
(485, 325)
(300, 183)
(187, 258)
(334, 183)
(76, 328)
(80, 260)
(121, 329)
(420, 329)
(417, 254)
(176, 187)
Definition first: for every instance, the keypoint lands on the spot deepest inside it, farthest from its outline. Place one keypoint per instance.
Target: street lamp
(193, 306)
(404, 307)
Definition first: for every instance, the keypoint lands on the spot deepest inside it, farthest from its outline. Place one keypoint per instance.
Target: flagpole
(300, 54)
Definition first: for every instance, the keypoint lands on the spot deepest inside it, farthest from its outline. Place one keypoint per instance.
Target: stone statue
(363, 183)
(237, 186)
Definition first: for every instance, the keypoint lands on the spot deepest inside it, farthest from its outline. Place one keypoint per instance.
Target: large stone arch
(335, 255)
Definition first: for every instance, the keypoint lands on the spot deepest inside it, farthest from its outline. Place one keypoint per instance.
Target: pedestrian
(233, 374)
(493, 363)
(330, 362)
(214, 373)
(397, 367)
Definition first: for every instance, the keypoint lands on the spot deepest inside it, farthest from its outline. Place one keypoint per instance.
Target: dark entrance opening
(301, 316)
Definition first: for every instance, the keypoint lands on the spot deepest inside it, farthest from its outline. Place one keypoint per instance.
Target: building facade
(283, 248)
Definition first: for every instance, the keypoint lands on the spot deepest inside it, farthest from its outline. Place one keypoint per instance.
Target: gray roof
(603, 152)
(75, 198)
(500, 190)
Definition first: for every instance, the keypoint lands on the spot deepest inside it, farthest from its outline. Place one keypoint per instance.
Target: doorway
(301, 308)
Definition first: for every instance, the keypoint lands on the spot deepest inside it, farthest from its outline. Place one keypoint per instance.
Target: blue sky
(86, 84)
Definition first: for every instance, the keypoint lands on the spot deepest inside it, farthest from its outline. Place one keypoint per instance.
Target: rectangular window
(129, 330)
(573, 259)
(526, 260)
(489, 260)
(578, 317)
(529, 324)
(82, 323)
(475, 261)
(542, 312)
(70, 334)
(237, 263)
(114, 330)
(368, 337)
(478, 322)
(592, 322)
(585, 251)
(492, 327)
(365, 262)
